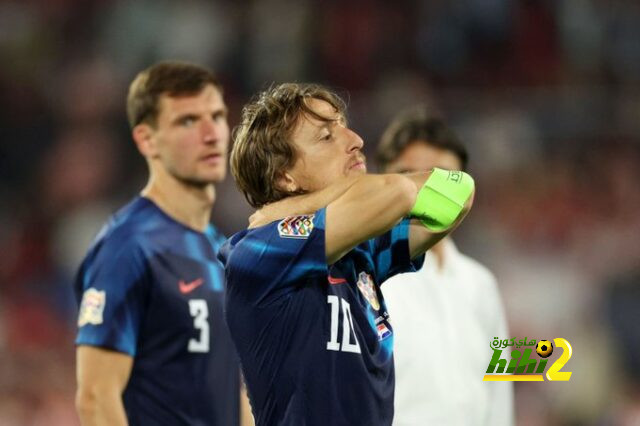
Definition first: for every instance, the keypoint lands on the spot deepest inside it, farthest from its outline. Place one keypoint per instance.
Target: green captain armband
(442, 198)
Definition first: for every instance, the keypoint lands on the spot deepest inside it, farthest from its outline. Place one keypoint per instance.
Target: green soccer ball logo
(544, 348)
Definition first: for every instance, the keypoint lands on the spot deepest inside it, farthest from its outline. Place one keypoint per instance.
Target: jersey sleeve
(270, 261)
(111, 289)
(390, 252)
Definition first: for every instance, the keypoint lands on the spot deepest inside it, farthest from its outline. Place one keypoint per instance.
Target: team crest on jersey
(368, 290)
(296, 226)
(383, 331)
(91, 307)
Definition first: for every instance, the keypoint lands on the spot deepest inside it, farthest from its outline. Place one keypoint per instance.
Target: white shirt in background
(443, 321)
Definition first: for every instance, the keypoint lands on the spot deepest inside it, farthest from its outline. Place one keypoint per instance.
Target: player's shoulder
(133, 226)
(270, 239)
(215, 235)
(247, 242)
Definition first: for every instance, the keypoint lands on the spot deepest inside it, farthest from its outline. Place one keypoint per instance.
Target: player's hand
(272, 212)
(258, 218)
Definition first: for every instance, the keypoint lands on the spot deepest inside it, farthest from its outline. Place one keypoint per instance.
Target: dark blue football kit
(315, 340)
(153, 288)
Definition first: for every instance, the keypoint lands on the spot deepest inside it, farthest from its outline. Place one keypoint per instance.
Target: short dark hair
(418, 125)
(169, 77)
(262, 146)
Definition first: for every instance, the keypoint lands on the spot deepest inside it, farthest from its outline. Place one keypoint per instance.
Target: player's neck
(186, 203)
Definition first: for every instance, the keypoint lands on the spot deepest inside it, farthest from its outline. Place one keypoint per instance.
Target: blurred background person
(448, 309)
(152, 345)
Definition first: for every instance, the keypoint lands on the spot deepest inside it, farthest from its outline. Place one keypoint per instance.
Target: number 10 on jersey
(349, 339)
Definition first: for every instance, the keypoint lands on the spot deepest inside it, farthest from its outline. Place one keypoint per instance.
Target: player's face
(420, 157)
(327, 150)
(192, 136)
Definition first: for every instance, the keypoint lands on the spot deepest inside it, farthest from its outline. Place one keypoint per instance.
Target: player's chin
(209, 178)
(355, 171)
(212, 174)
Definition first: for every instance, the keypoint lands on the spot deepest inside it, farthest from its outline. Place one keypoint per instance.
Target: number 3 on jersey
(200, 312)
(347, 327)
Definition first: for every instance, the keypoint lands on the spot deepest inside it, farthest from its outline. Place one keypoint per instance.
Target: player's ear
(143, 137)
(286, 182)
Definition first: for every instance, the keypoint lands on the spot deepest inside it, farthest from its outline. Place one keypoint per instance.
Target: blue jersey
(315, 341)
(153, 289)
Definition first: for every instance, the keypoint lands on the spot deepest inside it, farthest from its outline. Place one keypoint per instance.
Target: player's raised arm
(443, 202)
(291, 145)
(301, 204)
(102, 376)
(372, 206)
(438, 200)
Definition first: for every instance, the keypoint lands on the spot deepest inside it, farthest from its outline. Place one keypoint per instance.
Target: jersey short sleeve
(267, 262)
(390, 252)
(111, 289)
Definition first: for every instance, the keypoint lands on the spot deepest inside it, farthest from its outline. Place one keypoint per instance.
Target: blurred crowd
(545, 94)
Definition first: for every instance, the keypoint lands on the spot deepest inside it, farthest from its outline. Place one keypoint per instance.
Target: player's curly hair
(262, 148)
(173, 78)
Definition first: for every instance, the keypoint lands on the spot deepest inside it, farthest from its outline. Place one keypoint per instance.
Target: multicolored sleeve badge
(296, 226)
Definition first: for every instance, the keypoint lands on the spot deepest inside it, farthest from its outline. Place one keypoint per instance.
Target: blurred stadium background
(545, 93)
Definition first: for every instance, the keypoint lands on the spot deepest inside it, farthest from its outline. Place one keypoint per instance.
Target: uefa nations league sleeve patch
(296, 226)
(91, 307)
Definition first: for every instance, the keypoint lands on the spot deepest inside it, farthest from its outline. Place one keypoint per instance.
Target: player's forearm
(301, 204)
(372, 206)
(389, 197)
(421, 239)
(444, 199)
(102, 376)
(418, 179)
(97, 407)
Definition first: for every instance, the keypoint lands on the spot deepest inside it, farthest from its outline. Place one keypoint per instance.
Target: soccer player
(304, 305)
(445, 315)
(152, 347)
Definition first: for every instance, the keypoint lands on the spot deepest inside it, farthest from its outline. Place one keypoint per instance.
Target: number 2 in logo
(554, 373)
